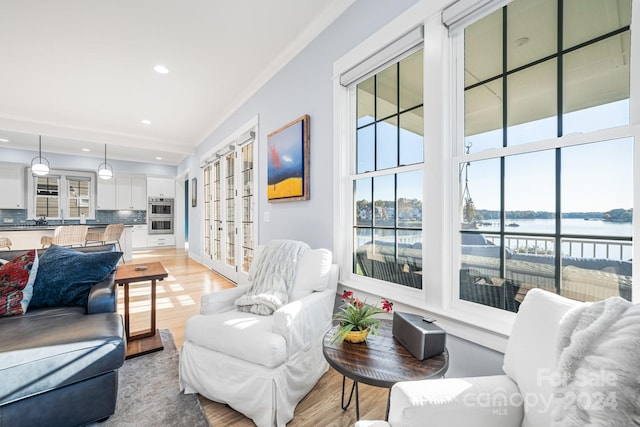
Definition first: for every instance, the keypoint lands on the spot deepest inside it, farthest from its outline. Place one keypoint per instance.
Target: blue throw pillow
(65, 276)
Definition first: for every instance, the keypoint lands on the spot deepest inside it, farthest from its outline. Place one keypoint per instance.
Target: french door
(228, 213)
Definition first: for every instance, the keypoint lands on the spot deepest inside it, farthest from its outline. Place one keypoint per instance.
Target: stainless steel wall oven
(160, 215)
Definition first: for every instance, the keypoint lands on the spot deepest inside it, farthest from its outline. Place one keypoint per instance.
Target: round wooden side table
(380, 361)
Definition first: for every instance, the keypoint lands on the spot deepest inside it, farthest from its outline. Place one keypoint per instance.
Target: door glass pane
(230, 222)
(531, 104)
(387, 144)
(596, 85)
(247, 206)
(207, 210)
(217, 212)
(387, 92)
(411, 137)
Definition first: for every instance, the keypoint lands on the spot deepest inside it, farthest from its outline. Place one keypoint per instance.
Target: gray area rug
(149, 394)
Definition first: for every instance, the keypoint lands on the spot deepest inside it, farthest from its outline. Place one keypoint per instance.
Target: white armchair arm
(493, 401)
(372, 423)
(217, 302)
(303, 321)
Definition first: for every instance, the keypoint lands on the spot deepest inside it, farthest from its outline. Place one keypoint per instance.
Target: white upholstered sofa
(262, 366)
(603, 388)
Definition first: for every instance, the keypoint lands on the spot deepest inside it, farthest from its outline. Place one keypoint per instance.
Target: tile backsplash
(19, 217)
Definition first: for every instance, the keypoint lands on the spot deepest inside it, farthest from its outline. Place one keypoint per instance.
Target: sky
(595, 177)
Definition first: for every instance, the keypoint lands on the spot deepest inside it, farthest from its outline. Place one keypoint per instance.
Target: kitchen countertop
(29, 227)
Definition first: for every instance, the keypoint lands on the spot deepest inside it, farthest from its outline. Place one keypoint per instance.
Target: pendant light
(41, 166)
(105, 171)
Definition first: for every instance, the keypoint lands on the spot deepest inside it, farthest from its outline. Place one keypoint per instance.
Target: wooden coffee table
(147, 341)
(381, 361)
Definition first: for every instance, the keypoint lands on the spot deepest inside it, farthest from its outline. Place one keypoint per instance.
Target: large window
(387, 183)
(546, 171)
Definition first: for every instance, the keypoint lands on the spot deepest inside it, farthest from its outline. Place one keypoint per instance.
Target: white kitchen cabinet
(106, 198)
(158, 240)
(131, 192)
(161, 187)
(12, 185)
(139, 234)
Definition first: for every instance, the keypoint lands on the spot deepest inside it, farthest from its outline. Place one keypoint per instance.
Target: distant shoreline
(487, 215)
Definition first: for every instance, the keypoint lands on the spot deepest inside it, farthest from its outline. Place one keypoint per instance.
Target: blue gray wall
(303, 86)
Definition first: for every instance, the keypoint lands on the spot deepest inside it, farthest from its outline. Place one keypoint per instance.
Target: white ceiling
(80, 72)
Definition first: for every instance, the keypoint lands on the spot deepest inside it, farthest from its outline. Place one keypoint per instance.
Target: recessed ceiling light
(161, 69)
(146, 122)
(86, 149)
(4, 140)
(158, 158)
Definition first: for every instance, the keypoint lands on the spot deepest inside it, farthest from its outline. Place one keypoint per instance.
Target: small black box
(421, 338)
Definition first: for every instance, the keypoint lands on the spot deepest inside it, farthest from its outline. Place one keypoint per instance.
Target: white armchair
(262, 366)
(519, 398)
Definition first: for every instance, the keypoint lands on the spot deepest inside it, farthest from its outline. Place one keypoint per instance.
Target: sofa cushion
(50, 348)
(65, 276)
(312, 273)
(16, 283)
(530, 359)
(238, 334)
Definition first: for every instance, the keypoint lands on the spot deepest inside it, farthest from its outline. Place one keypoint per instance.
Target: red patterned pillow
(14, 280)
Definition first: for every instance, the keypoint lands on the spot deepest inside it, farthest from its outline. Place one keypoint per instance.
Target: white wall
(304, 86)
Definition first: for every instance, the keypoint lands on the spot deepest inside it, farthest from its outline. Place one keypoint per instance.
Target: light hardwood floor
(178, 298)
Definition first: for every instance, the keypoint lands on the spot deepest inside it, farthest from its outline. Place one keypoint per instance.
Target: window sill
(481, 325)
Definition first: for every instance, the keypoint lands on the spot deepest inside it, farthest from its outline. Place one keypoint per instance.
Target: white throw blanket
(598, 374)
(273, 276)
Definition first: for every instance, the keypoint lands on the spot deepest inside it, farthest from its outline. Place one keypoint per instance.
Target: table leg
(386, 414)
(354, 386)
(357, 401)
(153, 306)
(126, 311)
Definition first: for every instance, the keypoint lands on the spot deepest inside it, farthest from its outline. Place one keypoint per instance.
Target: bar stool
(111, 234)
(66, 235)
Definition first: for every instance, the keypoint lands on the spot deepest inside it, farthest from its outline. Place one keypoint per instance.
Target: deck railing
(573, 247)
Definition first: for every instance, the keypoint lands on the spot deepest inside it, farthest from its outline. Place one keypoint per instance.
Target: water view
(591, 227)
